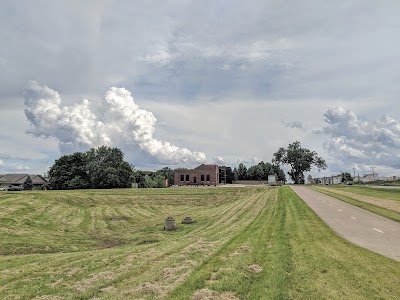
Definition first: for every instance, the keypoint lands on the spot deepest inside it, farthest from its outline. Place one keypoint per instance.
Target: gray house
(17, 180)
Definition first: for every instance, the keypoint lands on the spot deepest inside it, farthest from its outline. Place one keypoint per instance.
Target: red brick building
(202, 175)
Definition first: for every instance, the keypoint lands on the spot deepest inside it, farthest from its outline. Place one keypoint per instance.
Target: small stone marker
(187, 220)
(170, 224)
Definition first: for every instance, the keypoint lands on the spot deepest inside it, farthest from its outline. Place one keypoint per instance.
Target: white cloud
(219, 160)
(1, 163)
(20, 167)
(115, 121)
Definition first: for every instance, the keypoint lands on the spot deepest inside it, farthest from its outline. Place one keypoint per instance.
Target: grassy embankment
(384, 202)
(248, 243)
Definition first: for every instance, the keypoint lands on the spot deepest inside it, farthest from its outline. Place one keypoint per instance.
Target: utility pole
(354, 170)
(373, 173)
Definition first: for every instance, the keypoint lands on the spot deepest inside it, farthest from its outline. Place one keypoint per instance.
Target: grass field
(384, 202)
(247, 243)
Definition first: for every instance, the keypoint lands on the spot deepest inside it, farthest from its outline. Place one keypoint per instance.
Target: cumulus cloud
(1, 163)
(114, 121)
(295, 124)
(361, 142)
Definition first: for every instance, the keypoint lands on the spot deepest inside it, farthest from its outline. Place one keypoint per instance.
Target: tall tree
(242, 171)
(267, 169)
(70, 172)
(107, 168)
(299, 159)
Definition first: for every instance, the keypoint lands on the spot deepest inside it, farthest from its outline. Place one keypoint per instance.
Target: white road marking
(377, 230)
(323, 201)
(339, 209)
(353, 218)
(330, 204)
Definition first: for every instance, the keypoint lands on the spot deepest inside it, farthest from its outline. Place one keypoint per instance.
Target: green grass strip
(392, 215)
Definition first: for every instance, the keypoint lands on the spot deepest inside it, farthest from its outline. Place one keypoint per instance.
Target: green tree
(255, 172)
(299, 159)
(28, 183)
(168, 173)
(107, 168)
(280, 174)
(267, 169)
(346, 177)
(242, 171)
(70, 172)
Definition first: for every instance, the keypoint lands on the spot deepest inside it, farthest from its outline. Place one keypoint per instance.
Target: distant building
(388, 178)
(203, 175)
(334, 179)
(18, 180)
(369, 177)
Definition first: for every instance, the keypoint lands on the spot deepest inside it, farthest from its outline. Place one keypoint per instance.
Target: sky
(180, 83)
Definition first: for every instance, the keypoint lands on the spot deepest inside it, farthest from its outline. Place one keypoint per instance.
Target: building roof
(21, 178)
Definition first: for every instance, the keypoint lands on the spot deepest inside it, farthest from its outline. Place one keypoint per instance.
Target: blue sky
(209, 81)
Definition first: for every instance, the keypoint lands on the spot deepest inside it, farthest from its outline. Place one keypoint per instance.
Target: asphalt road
(357, 225)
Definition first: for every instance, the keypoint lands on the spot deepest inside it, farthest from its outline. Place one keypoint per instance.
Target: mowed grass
(384, 202)
(247, 243)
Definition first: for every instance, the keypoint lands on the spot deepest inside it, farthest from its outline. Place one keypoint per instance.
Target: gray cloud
(358, 141)
(114, 121)
(294, 124)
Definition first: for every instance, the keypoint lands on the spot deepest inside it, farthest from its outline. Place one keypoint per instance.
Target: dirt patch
(255, 268)
(206, 294)
(385, 203)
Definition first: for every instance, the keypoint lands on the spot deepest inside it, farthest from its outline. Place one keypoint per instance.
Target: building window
(202, 178)
(208, 177)
(187, 177)
(182, 177)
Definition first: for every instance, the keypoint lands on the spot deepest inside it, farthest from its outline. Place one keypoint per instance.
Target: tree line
(105, 167)
(258, 172)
